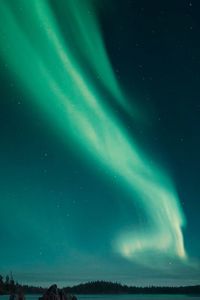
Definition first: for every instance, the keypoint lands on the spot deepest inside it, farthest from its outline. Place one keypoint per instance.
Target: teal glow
(52, 72)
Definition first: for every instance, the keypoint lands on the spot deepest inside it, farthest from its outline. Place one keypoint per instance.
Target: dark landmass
(104, 287)
(8, 286)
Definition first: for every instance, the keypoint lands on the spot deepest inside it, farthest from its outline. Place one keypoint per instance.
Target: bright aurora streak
(66, 79)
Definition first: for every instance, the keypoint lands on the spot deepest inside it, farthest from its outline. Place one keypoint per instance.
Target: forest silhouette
(8, 286)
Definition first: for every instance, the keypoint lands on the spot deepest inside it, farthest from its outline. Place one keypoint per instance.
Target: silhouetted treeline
(104, 287)
(8, 285)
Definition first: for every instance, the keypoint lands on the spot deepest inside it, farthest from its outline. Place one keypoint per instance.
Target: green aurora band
(66, 77)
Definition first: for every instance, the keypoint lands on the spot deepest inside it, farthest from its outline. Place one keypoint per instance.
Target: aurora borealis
(82, 191)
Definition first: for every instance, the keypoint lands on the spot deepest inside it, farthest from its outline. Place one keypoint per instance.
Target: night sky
(99, 152)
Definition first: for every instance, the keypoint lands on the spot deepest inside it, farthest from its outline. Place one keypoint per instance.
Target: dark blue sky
(100, 191)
